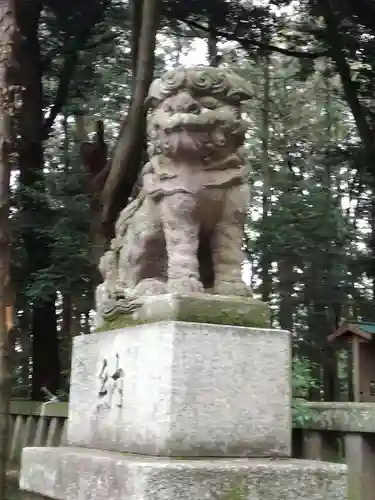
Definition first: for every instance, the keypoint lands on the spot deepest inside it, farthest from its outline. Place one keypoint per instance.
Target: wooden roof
(364, 330)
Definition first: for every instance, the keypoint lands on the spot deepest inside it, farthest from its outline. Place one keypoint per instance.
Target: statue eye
(167, 108)
(210, 102)
(194, 108)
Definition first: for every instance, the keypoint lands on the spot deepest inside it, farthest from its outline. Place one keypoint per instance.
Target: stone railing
(337, 432)
(34, 424)
(342, 432)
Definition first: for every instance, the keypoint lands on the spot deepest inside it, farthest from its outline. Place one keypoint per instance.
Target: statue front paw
(233, 288)
(150, 286)
(185, 285)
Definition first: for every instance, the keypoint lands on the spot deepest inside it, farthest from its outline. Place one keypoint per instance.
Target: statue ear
(151, 102)
(155, 93)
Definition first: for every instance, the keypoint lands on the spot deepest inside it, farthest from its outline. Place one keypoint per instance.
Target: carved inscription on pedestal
(111, 384)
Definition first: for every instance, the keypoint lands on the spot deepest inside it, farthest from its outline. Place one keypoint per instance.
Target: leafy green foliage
(306, 200)
(302, 384)
(311, 218)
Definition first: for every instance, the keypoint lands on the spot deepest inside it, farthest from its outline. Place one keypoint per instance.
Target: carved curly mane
(183, 230)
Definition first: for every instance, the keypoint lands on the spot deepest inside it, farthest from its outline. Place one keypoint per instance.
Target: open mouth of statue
(187, 140)
(186, 121)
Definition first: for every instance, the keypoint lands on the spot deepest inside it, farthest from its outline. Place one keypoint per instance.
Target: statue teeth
(195, 138)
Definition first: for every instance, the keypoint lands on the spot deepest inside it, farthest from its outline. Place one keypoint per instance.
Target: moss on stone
(216, 314)
(238, 491)
(222, 318)
(236, 311)
(121, 321)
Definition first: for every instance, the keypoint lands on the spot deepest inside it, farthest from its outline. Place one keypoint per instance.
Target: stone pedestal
(208, 404)
(186, 389)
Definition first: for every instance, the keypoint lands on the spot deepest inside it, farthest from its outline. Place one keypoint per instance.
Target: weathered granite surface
(341, 417)
(189, 389)
(196, 308)
(183, 231)
(73, 473)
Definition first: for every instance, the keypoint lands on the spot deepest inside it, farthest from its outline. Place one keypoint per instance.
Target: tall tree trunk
(9, 39)
(136, 20)
(129, 151)
(45, 350)
(330, 372)
(66, 341)
(87, 324)
(94, 159)
(68, 298)
(35, 212)
(335, 36)
(212, 45)
(286, 288)
(337, 53)
(25, 354)
(266, 287)
(311, 346)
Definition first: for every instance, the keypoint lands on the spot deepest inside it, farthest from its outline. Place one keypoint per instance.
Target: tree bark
(129, 151)
(65, 343)
(94, 160)
(364, 126)
(34, 209)
(330, 372)
(266, 288)
(137, 12)
(338, 56)
(25, 356)
(8, 42)
(212, 45)
(91, 15)
(286, 285)
(45, 350)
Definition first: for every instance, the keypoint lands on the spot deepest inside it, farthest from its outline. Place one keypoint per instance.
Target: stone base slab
(182, 389)
(196, 308)
(76, 473)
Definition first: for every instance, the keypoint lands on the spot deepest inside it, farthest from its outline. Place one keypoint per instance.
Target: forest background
(80, 70)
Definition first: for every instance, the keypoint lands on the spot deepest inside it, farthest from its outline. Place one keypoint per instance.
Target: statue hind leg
(152, 274)
(143, 261)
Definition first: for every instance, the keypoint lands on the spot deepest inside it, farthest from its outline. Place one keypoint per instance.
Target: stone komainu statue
(183, 232)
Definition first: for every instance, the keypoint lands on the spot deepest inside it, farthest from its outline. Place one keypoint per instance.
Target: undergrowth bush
(302, 383)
